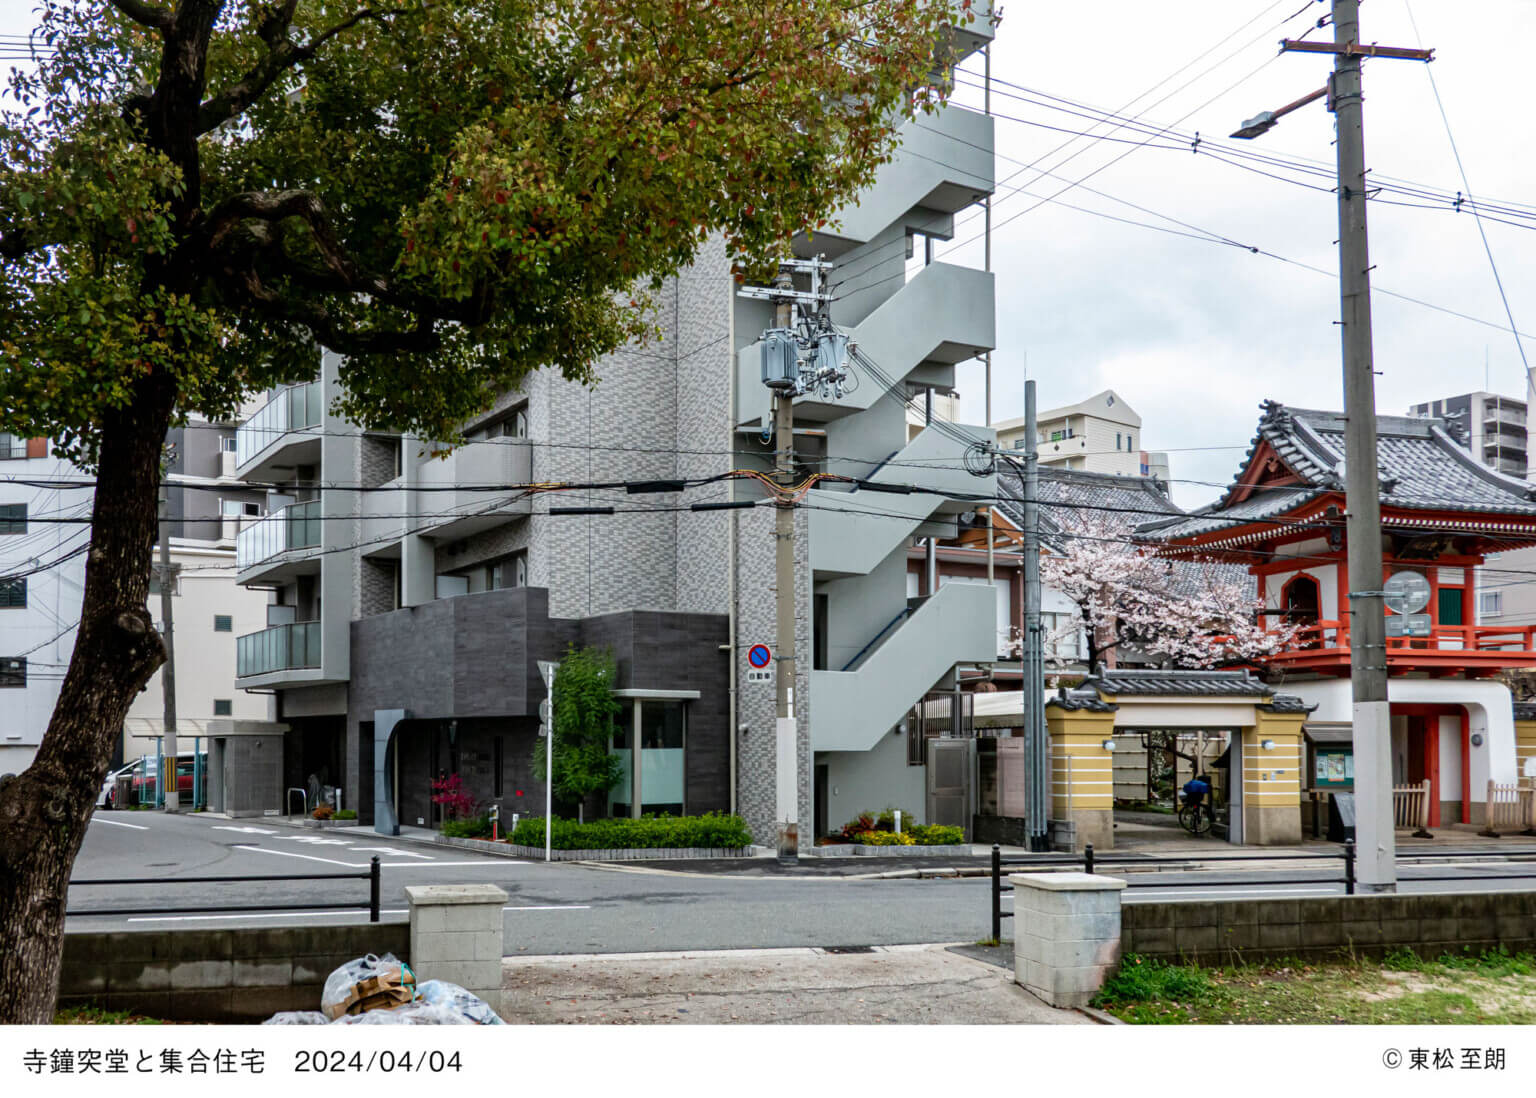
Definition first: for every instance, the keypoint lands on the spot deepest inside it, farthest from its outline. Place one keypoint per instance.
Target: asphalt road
(567, 908)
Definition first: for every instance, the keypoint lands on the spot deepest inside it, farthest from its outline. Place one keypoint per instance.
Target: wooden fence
(1510, 808)
(1410, 809)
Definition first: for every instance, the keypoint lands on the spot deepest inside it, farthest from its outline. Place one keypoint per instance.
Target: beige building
(1097, 435)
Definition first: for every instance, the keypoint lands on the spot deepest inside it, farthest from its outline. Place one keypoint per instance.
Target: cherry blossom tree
(1193, 613)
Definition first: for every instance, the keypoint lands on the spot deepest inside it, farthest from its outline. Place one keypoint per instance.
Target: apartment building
(1097, 435)
(1491, 426)
(45, 508)
(412, 598)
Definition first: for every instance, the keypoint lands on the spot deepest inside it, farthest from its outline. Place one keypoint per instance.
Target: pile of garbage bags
(373, 991)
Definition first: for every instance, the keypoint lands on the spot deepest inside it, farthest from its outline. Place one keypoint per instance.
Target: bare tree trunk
(44, 811)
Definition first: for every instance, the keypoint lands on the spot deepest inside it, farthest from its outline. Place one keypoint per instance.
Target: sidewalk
(889, 985)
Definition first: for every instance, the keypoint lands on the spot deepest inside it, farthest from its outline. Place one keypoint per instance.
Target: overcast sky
(1194, 334)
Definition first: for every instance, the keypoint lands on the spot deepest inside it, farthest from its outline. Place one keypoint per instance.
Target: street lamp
(1265, 121)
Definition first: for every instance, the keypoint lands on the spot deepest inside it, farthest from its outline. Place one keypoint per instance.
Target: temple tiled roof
(1421, 467)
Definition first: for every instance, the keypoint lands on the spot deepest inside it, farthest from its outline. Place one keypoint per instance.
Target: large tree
(196, 196)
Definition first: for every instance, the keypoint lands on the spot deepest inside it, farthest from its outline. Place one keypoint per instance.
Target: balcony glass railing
(281, 648)
(290, 409)
(296, 526)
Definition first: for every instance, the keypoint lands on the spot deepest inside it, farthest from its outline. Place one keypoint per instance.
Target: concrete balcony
(383, 515)
(284, 655)
(945, 164)
(944, 315)
(282, 435)
(847, 541)
(470, 488)
(851, 710)
(282, 545)
(965, 38)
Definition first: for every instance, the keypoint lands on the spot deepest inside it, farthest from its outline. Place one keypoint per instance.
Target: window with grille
(13, 593)
(1490, 604)
(12, 447)
(13, 672)
(223, 707)
(223, 623)
(13, 518)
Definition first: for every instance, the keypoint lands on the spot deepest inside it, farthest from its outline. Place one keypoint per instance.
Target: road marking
(244, 830)
(321, 842)
(382, 865)
(1218, 891)
(118, 823)
(391, 850)
(312, 914)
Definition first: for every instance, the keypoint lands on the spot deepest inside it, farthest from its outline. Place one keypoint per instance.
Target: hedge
(709, 831)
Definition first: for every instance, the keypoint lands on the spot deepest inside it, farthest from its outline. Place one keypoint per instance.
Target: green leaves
(488, 183)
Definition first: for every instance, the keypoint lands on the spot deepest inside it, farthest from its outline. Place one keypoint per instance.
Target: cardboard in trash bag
(418, 1013)
(366, 984)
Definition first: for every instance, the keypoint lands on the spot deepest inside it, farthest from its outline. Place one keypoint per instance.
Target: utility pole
(170, 794)
(1032, 684)
(785, 727)
(797, 358)
(1371, 719)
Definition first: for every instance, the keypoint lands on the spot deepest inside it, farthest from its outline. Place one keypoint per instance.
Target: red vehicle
(145, 780)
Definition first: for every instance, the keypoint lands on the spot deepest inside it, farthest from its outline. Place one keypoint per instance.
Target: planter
(860, 850)
(632, 854)
(310, 821)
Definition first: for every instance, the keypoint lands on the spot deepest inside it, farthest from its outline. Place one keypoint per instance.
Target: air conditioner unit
(227, 463)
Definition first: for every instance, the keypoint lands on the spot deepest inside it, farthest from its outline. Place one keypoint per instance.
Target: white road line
(1187, 892)
(390, 850)
(312, 914)
(118, 823)
(244, 830)
(382, 865)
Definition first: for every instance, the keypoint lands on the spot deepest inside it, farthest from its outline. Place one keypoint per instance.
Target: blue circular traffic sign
(758, 655)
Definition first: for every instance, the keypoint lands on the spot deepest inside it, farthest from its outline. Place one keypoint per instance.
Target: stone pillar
(1272, 777)
(1082, 770)
(1066, 934)
(456, 936)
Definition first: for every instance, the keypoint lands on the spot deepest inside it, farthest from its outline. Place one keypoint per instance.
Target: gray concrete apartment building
(409, 589)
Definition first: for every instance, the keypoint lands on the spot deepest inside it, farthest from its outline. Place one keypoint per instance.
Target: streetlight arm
(1265, 121)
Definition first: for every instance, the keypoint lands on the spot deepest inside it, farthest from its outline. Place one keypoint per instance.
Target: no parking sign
(759, 657)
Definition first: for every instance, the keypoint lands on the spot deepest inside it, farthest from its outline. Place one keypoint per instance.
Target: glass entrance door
(649, 739)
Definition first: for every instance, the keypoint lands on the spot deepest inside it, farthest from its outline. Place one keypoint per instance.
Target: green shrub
(937, 835)
(884, 838)
(475, 827)
(649, 833)
(347, 814)
(1140, 980)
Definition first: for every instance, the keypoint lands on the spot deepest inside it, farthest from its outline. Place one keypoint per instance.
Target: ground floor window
(653, 776)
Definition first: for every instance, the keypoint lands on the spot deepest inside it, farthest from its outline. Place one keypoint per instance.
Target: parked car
(144, 780)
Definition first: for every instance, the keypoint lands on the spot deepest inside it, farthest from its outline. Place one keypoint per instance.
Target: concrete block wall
(1223, 932)
(456, 936)
(1066, 935)
(242, 976)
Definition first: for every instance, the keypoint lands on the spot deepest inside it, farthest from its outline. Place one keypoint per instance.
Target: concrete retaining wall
(216, 975)
(1221, 932)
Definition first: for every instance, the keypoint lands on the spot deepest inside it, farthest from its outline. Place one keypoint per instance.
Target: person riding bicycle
(1197, 789)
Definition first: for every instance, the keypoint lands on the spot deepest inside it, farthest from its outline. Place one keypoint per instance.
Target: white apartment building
(44, 527)
(1490, 426)
(1097, 435)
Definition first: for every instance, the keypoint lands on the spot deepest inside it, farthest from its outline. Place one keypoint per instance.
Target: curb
(1100, 1017)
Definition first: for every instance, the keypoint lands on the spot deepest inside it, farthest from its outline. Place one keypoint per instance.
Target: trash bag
(367, 983)
(453, 997)
(297, 1018)
(417, 1013)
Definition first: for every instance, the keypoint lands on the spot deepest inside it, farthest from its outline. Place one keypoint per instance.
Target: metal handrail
(372, 877)
(906, 610)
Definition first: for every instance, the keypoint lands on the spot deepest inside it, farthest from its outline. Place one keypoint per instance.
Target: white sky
(1193, 335)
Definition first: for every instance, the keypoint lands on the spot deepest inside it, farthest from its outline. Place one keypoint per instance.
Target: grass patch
(1402, 989)
(96, 1016)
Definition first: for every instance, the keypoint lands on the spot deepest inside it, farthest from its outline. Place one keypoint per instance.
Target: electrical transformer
(780, 358)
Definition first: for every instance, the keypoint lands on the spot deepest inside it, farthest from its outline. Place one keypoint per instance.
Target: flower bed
(710, 832)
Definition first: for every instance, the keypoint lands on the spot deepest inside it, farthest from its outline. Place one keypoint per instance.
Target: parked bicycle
(1195, 813)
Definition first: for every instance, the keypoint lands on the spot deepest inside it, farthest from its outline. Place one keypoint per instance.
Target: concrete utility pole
(1032, 684)
(1372, 722)
(1376, 868)
(170, 795)
(787, 778)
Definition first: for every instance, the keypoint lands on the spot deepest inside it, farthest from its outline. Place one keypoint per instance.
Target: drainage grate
(848, 949)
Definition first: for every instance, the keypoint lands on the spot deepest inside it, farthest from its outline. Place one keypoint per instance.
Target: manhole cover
(849, 949)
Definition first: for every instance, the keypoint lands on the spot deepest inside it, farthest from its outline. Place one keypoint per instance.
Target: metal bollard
(1088, 858)
(373, 890)
(1349, 867)
(997, 893)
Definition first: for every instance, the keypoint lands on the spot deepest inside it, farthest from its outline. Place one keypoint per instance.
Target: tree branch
(283, 55)
(144, 13)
